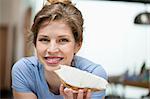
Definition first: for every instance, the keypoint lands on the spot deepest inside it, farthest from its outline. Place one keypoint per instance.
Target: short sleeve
(98, 95)
(99, 71)
(96, 69)
(21, 76)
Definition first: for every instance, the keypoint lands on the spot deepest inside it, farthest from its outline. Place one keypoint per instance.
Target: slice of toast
(77, 79)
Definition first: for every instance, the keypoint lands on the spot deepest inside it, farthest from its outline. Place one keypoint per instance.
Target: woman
(57, 36)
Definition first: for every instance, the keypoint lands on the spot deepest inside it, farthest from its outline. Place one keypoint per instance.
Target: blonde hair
(60, 10)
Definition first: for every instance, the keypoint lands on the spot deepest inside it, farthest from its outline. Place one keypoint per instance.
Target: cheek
(69, 58)
(40, 49)
(68, 49)
(70, 54)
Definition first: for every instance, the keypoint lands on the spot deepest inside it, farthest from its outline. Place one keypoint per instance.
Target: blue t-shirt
(28, 76)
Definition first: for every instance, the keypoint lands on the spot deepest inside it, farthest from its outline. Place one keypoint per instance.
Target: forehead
(58, 23)
(55, 26)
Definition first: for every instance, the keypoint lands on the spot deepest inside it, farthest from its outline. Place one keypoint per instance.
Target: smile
(53, 60)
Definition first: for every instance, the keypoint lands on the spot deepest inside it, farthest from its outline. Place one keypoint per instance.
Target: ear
(77, 47)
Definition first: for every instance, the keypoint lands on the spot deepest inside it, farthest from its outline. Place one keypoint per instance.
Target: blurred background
(116, 35)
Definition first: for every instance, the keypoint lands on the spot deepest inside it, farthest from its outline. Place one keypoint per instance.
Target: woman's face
(55, 44)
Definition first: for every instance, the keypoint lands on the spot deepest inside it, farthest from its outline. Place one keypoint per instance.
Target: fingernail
(89, 90)
(74, 91)
(80, 90)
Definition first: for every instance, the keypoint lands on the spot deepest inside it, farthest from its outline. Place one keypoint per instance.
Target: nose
(53, 47)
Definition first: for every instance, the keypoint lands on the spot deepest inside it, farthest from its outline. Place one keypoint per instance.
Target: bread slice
(77, 79)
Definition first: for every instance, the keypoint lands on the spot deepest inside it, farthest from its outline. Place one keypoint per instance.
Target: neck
(53, 81)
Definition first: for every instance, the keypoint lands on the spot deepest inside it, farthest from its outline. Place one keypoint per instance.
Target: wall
(111, 38)
(12, 16)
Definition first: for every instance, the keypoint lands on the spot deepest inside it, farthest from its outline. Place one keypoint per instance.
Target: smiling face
(55, 44)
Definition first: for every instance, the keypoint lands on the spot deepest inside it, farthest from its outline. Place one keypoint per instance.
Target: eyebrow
(64, 36)
(43, 36)
(61, 36)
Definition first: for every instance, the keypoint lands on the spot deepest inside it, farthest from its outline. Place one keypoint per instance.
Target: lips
(53, 60)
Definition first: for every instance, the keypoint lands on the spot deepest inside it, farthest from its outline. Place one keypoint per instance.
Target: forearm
(21, 95)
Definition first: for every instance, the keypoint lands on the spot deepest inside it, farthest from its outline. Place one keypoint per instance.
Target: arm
(22, 81)
(21, 95)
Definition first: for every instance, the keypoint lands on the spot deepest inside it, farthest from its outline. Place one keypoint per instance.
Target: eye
(63, 40)
(43, 40)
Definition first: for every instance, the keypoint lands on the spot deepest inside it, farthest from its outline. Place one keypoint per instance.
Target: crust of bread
(77, 88)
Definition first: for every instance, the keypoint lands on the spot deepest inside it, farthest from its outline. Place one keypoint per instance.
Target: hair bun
(59, 1)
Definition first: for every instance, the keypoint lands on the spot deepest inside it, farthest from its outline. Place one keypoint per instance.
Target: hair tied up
(49, 2)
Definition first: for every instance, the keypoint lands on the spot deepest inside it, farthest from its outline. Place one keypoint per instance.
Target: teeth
(53, 60)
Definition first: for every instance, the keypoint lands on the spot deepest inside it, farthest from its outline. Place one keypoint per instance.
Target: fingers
(66, 92)
(72, 94)
(61, 89)
(80, 94)
(88, 95)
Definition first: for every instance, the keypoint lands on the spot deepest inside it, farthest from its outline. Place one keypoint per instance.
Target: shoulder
(96, 69)
(25, 66)
(26, 62)
(87, 65)
(23, 74)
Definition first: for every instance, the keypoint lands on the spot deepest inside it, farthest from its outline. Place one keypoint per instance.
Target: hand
(68, 93)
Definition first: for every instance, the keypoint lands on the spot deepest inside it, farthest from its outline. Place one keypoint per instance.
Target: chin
(51, 68)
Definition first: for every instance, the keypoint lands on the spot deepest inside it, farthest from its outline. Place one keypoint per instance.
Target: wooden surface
(119, 80)
(137, 83)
